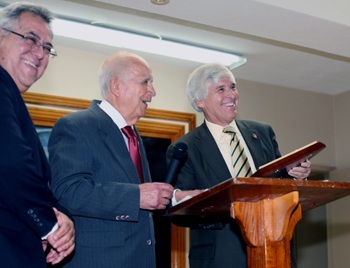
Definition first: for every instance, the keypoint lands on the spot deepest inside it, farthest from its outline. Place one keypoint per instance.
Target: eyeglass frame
(36, 42)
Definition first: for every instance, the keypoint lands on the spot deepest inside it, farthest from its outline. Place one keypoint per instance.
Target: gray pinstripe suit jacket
(94, 177)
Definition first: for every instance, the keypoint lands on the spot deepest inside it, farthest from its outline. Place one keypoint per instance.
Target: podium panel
(266, 210)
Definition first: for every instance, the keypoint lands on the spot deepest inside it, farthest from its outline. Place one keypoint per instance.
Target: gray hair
(9, 14)
(201, 79)
(116, 65)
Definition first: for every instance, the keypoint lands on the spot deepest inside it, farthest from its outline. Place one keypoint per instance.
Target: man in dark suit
(94, 175)
(30, 218)
(211, 89)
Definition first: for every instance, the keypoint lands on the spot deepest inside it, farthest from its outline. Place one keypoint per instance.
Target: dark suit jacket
(94, 177)
(26, 202)
(221, 244)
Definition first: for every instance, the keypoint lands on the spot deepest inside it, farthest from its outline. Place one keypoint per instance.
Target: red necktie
(134, 149)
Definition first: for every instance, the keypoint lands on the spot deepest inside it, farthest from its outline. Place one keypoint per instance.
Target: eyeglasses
(34, 43)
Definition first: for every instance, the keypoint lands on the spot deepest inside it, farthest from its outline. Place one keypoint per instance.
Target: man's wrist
(54, 228)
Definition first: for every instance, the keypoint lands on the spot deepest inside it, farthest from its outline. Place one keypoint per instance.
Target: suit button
(149, 242)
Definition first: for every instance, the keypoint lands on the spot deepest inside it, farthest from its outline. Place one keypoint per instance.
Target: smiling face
(220, 106)
(24, 64)
(134, 90)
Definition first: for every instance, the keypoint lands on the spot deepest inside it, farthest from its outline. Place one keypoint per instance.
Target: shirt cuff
(173, 199)
(52, 231)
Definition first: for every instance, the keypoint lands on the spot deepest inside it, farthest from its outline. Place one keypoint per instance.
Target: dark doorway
(156, 155)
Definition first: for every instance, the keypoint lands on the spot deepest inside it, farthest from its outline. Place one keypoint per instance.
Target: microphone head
(180, 150)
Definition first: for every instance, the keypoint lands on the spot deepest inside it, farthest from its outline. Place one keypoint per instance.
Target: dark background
(156, 155)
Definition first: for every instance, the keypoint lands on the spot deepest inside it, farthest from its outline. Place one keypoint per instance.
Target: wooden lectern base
(267, 227)
(267, 211)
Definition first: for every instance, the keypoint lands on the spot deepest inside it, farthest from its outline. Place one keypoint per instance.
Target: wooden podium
(267, 211)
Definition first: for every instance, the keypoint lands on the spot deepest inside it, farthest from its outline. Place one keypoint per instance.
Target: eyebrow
(38, 37)
(147, 78)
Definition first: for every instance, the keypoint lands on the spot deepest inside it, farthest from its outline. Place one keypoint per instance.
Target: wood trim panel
(73, 103)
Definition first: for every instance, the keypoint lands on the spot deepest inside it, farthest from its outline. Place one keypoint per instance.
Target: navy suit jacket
(218, 243)
(26, 201)
(94, 177)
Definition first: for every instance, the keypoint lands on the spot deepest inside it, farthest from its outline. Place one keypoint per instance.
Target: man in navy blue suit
(31, 221)
(211, 89)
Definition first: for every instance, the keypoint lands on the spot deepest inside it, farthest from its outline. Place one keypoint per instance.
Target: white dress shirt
(117, 118)
(223, 142)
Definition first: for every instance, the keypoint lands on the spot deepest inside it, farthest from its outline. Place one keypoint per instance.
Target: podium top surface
(216, 201)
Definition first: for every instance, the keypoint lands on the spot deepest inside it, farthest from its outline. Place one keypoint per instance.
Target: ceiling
(296, 44)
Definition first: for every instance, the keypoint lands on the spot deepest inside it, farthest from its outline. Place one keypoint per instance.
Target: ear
(199, 103)
(1, 34)
(114, 86)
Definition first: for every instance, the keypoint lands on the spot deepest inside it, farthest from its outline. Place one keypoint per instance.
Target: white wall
(74, 73)
(342, 129)
(298, 117)
(338, 211)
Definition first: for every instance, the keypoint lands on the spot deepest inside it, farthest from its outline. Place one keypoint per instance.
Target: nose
(151, 89)
(39, 51)
(231, 92)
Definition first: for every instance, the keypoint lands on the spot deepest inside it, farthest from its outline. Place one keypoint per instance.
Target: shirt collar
(113, 114)
(216, 130)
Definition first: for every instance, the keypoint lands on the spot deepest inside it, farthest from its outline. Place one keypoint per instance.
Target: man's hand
(155, 195)
(302, 171)
(62, 241)
(179, 195)
(45, 244)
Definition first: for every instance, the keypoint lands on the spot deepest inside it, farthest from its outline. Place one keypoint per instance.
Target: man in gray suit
(95, 177)
(211, 89)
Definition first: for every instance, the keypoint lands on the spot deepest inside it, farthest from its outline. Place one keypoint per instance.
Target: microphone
(179, 154)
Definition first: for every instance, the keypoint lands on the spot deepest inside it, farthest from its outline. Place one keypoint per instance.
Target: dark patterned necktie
(240, 161)
(134, 149)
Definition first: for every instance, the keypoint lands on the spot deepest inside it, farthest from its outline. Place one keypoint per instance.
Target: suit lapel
(210, 151)
(253, 140)
(114, 142)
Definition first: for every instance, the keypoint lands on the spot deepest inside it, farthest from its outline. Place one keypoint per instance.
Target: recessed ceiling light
(160, 2)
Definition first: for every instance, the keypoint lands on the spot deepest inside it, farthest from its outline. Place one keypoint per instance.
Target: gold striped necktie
(239, 158)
